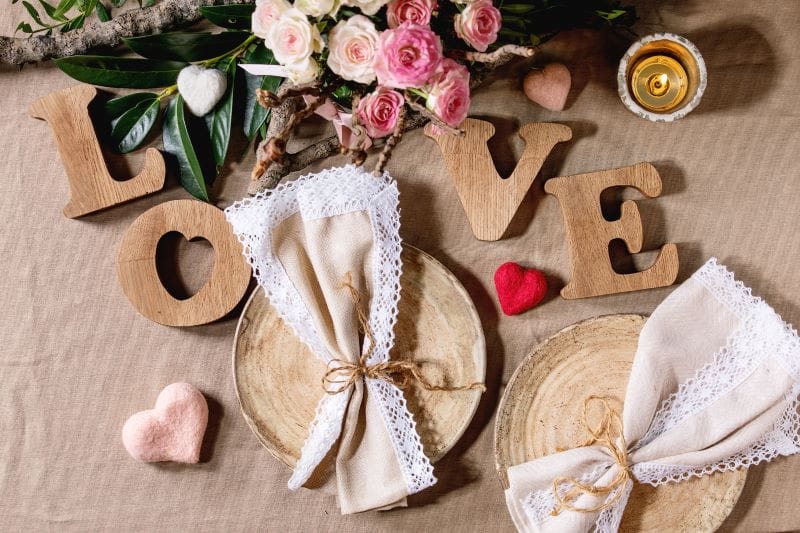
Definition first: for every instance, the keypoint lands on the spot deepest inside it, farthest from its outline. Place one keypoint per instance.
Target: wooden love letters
(489, 200)
(91, 186)
(589, 233)
(490, 203)
(136, 265)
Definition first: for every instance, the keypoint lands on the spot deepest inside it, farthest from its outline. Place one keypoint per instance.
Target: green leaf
(116, 107)
(109, 71)
(147, 3)
(62, 8)
(178, 144)
(611, 15)
(118, 3)
(517, 9)
(254, 114)
(102, 12)
(51, 11)
(186, 46)
(229, 16)
(129, 130)
(33, 13)
(219, 121)
(24, 27)
(73, 24)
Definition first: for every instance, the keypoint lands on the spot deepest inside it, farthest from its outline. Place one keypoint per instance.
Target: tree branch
(164, 16)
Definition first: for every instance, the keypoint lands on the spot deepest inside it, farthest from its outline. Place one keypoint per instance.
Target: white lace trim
(761, 334)
(540, 503)
(328, 193)
(784, 439)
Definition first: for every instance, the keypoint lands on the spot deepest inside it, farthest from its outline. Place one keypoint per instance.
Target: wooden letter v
(489, 200)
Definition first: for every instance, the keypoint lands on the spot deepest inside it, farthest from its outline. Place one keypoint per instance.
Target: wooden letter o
(136, 265)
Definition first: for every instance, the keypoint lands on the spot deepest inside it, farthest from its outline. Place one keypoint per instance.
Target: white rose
(317, 8)
(293, 38)
(368, 7)
(304, 72)
(265, 15)
(352, 45)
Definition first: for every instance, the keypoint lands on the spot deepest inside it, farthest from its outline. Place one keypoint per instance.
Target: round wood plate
(541, 411)
(278, 379)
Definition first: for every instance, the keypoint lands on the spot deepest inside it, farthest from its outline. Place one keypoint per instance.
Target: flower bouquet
(373, 68)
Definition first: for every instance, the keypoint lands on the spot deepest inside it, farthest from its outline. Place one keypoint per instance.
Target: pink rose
(378, 111)
(448, 97)
(407, 56)
(416, 11)
(478, 24)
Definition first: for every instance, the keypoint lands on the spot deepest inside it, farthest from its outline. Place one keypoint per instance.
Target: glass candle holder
(662, 77)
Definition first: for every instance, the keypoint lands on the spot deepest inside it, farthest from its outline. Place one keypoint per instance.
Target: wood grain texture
(136, 264)
(91, 187)
(589, 233)
(489, 200)
(279, 381)
(542, 408)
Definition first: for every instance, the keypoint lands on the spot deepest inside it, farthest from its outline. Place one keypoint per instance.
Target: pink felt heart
(549, 86)
(519, 289)
(172, 431)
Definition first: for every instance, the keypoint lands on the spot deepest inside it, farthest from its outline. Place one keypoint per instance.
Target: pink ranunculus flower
(407, 56)
(266, 13)
(379, 110)
(416, 11)
(449, 95)
(478, 24)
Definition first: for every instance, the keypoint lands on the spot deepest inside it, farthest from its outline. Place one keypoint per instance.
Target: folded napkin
(326, 250)
(714, 387)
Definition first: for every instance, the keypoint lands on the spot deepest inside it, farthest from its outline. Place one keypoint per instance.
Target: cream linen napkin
(714, 387)
(304, 240)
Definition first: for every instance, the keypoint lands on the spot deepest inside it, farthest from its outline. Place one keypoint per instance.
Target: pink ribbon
(350, 137)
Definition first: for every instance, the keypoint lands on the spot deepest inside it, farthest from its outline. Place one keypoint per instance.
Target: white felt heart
(172, 431)
(201, 88)
(549, 86)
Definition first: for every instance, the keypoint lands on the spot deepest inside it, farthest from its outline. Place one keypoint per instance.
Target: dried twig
(164, 16)
(330, 146)
(391, 142)
(422, 110)
(273, 149)
(502, 55)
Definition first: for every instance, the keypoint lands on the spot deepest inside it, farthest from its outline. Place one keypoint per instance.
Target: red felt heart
(519, 289)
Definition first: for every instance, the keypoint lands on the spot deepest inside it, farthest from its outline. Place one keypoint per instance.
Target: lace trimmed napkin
(313, 244)
(714, 387)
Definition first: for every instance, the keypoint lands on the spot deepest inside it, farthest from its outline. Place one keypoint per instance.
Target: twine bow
(343, 374)
(609, 434)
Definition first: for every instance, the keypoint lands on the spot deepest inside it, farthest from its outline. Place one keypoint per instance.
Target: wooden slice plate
(541, 411)
(278, 379)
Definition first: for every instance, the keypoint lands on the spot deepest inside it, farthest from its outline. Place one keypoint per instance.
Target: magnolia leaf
(255, 115)
(229, 16)
(116, 107)
(109, 71)
(129, 130)
(178, 143)
(186, 46)
(219, 120)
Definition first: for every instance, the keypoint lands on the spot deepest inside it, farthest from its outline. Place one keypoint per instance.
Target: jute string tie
(343, 374)
(608, 433)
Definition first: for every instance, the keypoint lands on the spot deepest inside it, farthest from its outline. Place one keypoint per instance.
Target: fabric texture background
(77, 360)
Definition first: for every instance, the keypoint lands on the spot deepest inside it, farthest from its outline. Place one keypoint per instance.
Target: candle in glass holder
(662, 77)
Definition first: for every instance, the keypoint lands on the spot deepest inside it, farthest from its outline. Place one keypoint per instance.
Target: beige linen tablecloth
(77, 360)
